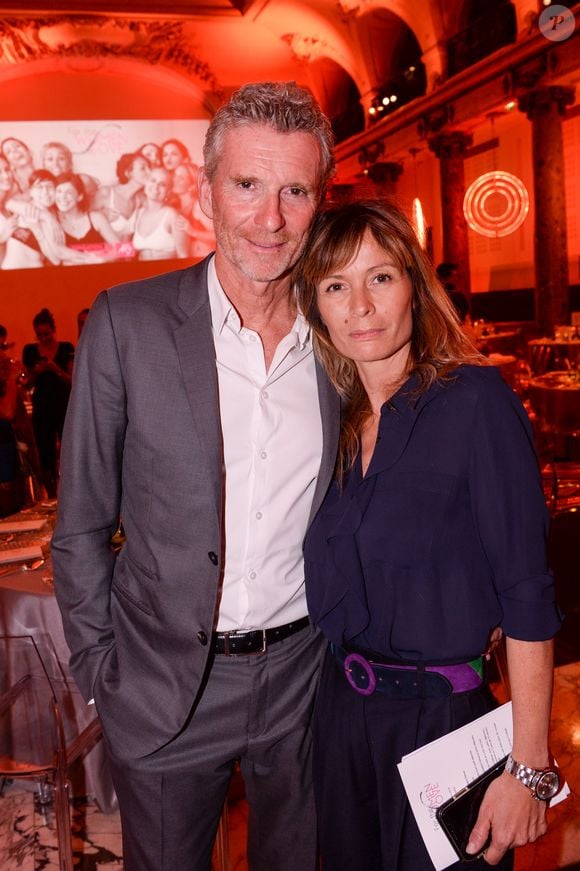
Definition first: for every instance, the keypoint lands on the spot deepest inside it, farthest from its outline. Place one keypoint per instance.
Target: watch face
(548, 785)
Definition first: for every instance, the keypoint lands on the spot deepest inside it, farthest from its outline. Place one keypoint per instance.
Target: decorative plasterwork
(155, 42)
(306, 48)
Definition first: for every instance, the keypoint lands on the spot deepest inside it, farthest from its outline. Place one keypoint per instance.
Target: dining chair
(40, 737)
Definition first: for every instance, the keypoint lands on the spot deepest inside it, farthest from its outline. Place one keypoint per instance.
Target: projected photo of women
(83, 192)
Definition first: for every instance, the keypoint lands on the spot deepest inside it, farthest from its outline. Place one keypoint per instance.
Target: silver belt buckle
(227, 635)
(263, 647)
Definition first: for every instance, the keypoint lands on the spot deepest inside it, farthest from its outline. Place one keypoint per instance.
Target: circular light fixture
(496, 204)
(386, 101)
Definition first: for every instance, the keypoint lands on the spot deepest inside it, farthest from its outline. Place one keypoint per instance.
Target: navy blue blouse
(445, 536)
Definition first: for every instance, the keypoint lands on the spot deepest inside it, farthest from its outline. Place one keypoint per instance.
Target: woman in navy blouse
(432, 536)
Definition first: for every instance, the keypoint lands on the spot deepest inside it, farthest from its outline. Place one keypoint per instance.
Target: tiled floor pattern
(28, 837)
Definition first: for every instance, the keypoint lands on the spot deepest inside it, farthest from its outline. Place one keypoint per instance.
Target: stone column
(384, 175)
(366, 101)
(450, 149)
(545, 107)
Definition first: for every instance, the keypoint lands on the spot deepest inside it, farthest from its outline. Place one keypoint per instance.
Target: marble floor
(28, 837)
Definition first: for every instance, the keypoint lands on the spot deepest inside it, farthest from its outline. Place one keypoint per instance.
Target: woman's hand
(512, 814)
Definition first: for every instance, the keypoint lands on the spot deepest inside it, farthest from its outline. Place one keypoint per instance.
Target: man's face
(262, 200)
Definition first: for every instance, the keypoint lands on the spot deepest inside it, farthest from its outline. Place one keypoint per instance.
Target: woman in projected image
(48, 364)
(173, 154)
(8, 220)
(160, 231)
(119, 202)
(85, 230)
(21, 161)
(35, 237)
(39, 239)
(152, 152)
(58, 158)
(185, 198)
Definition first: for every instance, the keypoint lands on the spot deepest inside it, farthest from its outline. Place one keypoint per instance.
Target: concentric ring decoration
(496, 204)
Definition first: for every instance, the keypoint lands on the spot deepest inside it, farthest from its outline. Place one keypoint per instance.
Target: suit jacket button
(213, 557)
(202, 637)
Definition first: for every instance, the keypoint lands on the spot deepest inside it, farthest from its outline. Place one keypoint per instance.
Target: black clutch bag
(458, 814)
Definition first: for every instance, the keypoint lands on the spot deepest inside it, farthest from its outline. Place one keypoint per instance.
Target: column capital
(452, 144)
(385, 172)
(541, 100)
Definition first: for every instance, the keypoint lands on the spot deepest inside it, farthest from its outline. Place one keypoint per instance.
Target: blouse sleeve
(511, 514)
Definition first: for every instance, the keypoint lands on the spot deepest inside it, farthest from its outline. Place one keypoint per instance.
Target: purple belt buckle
(366, 669)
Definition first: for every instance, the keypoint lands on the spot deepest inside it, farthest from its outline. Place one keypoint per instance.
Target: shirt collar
(223, 312)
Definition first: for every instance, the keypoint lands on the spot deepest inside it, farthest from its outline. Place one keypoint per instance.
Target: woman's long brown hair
(438, 342)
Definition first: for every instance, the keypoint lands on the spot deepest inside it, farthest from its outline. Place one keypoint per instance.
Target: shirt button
(263, 454)
(258, 515)
(264, 394)
(252, 337)
(202, 637)
(252, 575)
(213, 557)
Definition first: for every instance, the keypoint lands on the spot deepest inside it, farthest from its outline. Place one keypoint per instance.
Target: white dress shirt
(272, 437)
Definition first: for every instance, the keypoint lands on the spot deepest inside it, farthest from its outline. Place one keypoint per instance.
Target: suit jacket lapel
(330, 414)
(196, 352)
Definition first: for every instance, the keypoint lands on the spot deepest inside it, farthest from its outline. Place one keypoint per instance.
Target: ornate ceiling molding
(306, 48)
(92, 36)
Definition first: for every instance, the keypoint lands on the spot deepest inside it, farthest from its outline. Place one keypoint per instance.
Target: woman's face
(367, 308)
(153, 153)
(171, 156)
(6, 178)
(139, 171)
(16, 152)
(183, 179)
(42, 193)
(67, 196)
(56, 160)
(44, 333)
(157, 185)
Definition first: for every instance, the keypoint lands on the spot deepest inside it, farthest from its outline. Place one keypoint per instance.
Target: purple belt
(408, 681)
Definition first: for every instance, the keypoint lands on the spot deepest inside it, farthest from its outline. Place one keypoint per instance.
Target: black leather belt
(242, 643)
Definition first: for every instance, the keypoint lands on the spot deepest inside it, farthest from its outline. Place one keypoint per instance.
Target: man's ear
(204, 187)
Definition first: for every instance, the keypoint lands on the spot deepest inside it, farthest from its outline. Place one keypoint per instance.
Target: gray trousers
(255, 709)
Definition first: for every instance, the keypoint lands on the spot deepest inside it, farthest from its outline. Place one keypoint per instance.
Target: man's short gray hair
(285, 107)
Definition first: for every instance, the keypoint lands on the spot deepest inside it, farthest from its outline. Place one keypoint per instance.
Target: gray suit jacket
(143, 439)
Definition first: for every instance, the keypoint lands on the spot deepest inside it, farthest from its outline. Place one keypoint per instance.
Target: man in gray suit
(199, 416)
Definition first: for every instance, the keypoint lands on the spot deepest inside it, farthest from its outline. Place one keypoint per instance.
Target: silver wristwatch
(543, 783)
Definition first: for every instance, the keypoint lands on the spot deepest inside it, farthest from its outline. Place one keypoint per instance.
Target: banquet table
(546, 355)
(28, 607)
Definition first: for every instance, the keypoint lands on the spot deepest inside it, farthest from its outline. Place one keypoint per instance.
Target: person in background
(160, 231)
(35, 239)
(58, 159)
(81, 320)
(431, 537)
(447, 274)
(11, 493)
(86, 230)
(198, 227)
(8, 220)
(20, 477)
(152, 152)
(39, 238)
(199, 416)
(173, 154)
(21, 161)
(119, 202)
(48, 364)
